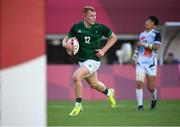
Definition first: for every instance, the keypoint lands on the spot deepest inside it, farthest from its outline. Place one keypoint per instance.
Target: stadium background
(32, 31)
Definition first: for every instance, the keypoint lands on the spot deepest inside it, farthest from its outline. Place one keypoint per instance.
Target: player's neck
(87, 25)
(148, 30)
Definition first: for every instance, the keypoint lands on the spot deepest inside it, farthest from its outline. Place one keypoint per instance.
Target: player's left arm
(111, 41)
(156, 46)
(157, 41)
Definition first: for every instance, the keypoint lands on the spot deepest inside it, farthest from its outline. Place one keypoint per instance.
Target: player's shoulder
(156, 33)
(78, 24)
(99, 25)
(142, 33)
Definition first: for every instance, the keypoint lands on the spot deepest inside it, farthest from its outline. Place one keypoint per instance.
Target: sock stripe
(78, 99)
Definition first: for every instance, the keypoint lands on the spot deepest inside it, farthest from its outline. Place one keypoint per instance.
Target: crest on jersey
(79, 31)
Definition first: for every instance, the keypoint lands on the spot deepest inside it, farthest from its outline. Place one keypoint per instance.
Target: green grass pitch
(98, 113)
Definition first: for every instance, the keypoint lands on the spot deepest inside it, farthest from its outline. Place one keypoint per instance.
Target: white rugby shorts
(91, 65)
(143, 69)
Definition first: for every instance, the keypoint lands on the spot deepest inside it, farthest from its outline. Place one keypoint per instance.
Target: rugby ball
(74, 42)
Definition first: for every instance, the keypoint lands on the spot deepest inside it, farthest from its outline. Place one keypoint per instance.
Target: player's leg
(153, 90)
(78, 75)
(99, 86)
(78, 88)
(94, 83)
(151, 76)
(140, 76)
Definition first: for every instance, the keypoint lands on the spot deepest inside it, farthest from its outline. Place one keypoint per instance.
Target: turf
(98, 113)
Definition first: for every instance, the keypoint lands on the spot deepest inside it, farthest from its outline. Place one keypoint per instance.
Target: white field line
(88, 106)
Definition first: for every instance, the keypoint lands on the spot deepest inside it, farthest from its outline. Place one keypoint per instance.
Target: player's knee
(93, 86)
(151, 89)
(140, 77)
(76, 78)
(139, 84)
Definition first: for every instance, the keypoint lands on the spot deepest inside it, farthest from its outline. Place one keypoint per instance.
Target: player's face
(90, 17)
(149, 24)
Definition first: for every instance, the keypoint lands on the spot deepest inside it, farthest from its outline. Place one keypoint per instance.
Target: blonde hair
(88, 8)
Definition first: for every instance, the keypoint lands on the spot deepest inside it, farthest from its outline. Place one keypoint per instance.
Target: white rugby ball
(74, 42)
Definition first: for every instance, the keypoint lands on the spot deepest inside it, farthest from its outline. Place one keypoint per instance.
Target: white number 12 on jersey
(87, 39)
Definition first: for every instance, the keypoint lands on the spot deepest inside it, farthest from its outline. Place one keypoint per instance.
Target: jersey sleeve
(72, 32)
(141, 37)
(157, 39)
(106, 31)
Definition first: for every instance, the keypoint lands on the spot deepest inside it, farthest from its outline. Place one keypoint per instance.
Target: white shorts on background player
(146, 67)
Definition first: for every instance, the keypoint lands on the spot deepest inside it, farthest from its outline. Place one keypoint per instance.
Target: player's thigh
(80, 73)
(151, 80)
(151, 83)
(92, 79)
(140, 73)
(151, 75)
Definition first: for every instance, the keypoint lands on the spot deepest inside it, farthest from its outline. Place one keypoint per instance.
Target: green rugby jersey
(89, 39)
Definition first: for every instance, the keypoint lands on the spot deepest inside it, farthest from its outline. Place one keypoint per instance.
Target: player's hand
(156, 46)
(133, 62)
(139, 44)
(100, 52)
(70, 47)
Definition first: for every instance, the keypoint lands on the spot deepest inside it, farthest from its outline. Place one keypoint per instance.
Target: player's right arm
(71, 33)
(135, 56)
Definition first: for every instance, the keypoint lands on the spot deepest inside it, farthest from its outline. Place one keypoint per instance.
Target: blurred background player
(145, 61)
(170, 59)
(89, 34)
